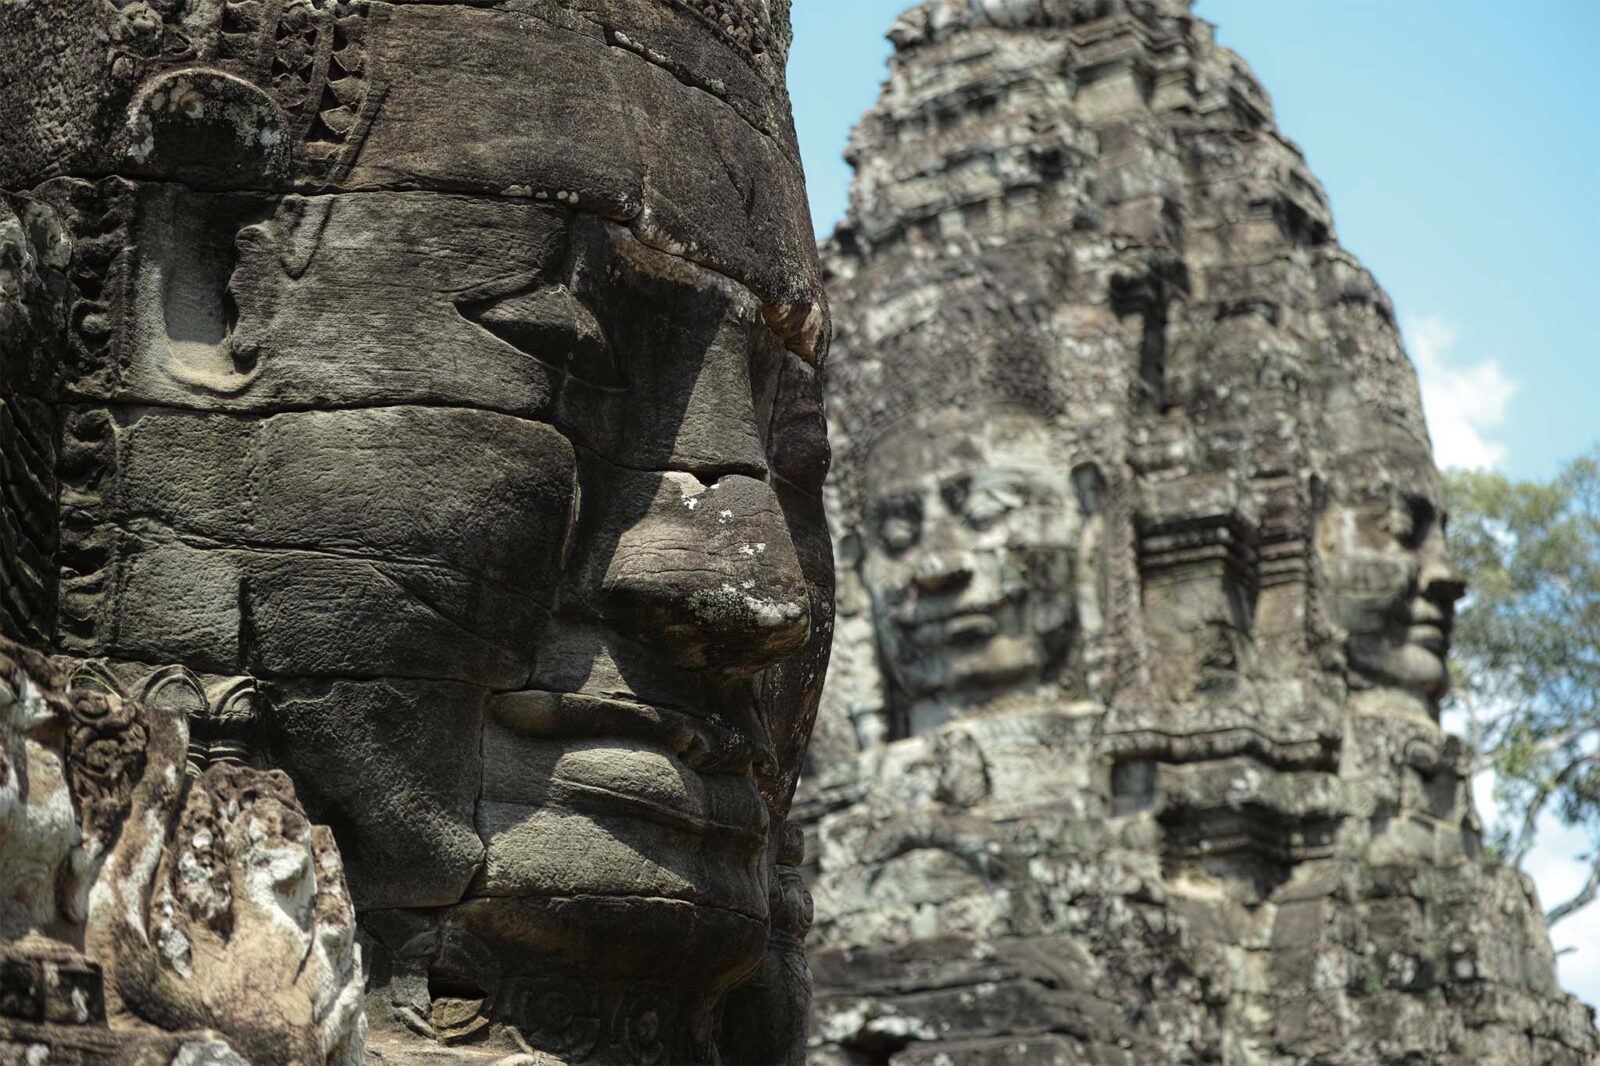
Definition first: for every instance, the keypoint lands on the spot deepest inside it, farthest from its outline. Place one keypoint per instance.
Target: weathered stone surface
(214, 94)
(424, 399)
(148, 887)
(1130, 753)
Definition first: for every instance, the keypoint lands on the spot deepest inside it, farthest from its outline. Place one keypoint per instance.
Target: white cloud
(1580, 962)
(1463, 403)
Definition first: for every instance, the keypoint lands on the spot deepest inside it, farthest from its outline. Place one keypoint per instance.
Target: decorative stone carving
(439, 424)
(139, 899)
(1223, 824)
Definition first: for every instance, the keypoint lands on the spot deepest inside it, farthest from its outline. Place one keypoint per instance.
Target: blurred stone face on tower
(1392, 586)
(973, 527)
(1161, 661)
(401, 390)
(1380, 531)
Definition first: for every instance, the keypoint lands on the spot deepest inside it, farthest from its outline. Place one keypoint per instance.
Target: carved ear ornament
(207, 128)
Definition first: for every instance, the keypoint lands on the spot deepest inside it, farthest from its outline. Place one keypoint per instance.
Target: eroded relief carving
(972, 558)
(151, 914)
(438, 430)
(1137, 509)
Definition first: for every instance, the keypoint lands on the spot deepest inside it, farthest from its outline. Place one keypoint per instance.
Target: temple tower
(1131, 752)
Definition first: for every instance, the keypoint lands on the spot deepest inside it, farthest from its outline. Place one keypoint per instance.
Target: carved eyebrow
(539, 309)
(485, 292)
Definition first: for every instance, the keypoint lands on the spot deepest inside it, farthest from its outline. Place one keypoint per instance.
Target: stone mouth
(606, 759)
(1427, 627)
(969, 625)
(740, 830)
(972, 628)
(709, 743)
(1430, 638)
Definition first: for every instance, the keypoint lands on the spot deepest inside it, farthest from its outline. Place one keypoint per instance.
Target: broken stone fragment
(139, 896)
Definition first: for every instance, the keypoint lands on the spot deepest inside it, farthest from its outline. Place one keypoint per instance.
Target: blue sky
(1460, 143)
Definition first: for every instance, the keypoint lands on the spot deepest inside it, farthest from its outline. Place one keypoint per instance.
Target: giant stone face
(1393, 588)
(973, 526)
(450, 373)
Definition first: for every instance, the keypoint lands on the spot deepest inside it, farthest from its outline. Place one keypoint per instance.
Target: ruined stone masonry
(1130, 753)
(413, 573)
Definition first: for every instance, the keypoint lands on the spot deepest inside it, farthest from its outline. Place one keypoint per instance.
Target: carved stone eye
(992, 502)
(1409, 521)
(955, 492)
(1421, 516)
(899, 532)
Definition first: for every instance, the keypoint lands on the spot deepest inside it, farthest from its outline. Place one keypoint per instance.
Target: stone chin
(576, 976)
(599, 812)
(710, 947)
(636, 885)
(1411, 667)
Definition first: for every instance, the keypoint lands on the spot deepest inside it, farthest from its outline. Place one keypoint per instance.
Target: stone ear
(207, 129)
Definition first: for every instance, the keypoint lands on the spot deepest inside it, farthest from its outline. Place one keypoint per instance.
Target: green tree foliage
(1527, 649)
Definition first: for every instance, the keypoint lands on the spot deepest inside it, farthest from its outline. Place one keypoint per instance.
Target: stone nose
(942, 572)
(709, 578)
(1441, 583)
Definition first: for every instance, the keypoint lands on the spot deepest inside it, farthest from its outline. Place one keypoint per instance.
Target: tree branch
(1586, 896)
(1530, 817)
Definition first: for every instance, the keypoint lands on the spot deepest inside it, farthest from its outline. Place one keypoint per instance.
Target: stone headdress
(327, 95)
